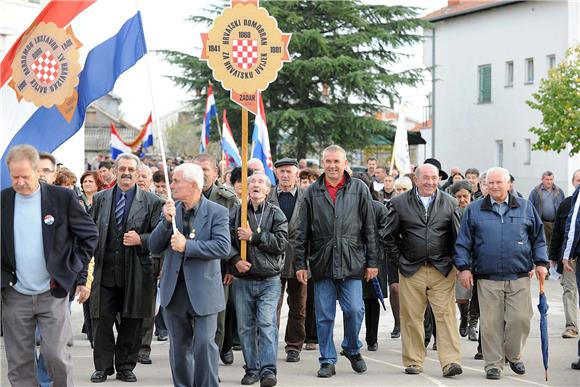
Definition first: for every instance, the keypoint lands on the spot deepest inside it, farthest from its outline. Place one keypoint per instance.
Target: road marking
(429, 378)
(482, 371)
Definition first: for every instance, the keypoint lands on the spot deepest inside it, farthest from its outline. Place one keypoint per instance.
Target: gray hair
(547, 173)
(255, 160)
(404, 182)
(146, 168)
(259, 173)
(420, 167)
(191, 173)
(128, 156)
(23, 152)
(504, 172)
(334, 148)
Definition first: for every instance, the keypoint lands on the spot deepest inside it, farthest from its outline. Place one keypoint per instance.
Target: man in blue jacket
(572, 247)
(500, 240)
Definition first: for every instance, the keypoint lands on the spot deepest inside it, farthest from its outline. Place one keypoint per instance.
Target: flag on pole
(148, 135)
(118, 146)
(210, 112)
(261, 141)
(44, 89)
(229, 145)
(401, 145)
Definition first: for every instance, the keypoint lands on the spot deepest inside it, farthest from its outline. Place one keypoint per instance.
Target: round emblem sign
(46, 66)
(245, 49)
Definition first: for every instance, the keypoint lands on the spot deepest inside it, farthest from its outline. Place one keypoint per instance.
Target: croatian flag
(69, 56)
(210, 112)
(118, 146)
(229, 145)
(148, 137)
(261, 141)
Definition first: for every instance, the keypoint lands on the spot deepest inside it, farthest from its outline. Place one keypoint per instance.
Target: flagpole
(244, 209)
(217, 120)
(160, 136)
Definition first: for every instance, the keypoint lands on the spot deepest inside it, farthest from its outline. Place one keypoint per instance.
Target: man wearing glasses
(46, 168)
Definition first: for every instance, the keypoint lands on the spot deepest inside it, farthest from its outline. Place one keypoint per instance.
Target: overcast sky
(166, 27)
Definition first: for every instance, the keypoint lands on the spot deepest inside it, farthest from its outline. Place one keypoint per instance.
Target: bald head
(426, 168)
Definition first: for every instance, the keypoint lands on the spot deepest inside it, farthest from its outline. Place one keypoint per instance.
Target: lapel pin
(192, 234)
(48, 220)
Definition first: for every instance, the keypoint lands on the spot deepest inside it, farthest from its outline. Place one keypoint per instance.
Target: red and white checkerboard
(45, 67)
(245, 53)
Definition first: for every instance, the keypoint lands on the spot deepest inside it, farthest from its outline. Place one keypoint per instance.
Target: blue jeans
(349, 294)
(256, 302)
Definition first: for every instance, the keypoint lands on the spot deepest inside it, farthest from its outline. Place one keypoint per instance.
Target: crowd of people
(426, 240)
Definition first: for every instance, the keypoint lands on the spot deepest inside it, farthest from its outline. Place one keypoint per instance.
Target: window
(499, 153)
(529, 70)
(551, 59)
(484, 84)
(509, 73)
(528, 150)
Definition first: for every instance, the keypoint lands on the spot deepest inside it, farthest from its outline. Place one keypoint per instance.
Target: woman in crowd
(90, 185)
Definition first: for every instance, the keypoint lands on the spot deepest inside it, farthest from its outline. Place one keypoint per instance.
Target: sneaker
(162, 338)
(413, 370)
(144, 359)
(249, 379)
(570, 333)
(268, 380)
(356, 362)
(493, 373)
(472, 333)
(452, 369)
(326, 370)
(293, 356)
(227, 357)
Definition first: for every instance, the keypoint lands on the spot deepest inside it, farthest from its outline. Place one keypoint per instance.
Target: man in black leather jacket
(336, 223)
(421, 230)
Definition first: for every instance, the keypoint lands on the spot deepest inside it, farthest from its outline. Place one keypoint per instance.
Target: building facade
(488, 58)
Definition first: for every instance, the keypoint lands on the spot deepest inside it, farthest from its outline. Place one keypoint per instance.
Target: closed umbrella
(543, 308)
(379, 291)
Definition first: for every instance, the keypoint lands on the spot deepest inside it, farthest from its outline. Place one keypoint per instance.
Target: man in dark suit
(287, 196)
(47, 238)
(123, 279)
(191, 283)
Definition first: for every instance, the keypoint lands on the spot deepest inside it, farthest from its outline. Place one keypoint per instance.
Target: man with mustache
(123, 279)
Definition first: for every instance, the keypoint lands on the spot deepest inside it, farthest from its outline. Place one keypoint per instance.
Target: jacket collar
(322, 185)
(486, 205)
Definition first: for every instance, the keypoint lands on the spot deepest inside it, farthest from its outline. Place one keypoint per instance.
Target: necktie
(120, 211)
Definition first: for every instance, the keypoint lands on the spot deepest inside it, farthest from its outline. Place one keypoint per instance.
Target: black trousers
(429, 324)
(123, 352)
(230, 326)
(372, 314)
(310, 320)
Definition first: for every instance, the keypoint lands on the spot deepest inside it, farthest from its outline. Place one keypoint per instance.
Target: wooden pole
(244, 214)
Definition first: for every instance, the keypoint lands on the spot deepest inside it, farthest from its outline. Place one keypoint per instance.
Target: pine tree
(340, 74)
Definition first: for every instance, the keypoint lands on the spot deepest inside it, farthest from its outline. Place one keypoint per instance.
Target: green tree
(340, 74)
(558, 99)
(182, 140)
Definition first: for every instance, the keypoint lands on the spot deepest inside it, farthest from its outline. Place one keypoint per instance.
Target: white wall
(465, 131)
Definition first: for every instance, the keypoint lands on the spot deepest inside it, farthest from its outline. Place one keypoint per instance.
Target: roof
(464, 7)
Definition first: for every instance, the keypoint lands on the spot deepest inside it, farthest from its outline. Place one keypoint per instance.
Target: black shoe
(576, 365)
(250, 379)
(162, 338)
(227, 357)
(493, 373)
(518, 367)
(268, 380)
(101, 376)
(478, 356)
(463, 328)
(396, 333)
(126, 376)
(293, 356)
(144, 359)
(326, 370)
(373, 347)
(413, 370)
(356, 362)
(435, 345)
(237, 347)
(452, 369)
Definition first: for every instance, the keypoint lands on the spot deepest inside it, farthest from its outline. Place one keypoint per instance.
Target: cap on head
(286, 161)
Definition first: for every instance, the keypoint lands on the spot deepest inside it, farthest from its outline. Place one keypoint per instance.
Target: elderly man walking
(336, 223)
(500, 241)
(421, 230)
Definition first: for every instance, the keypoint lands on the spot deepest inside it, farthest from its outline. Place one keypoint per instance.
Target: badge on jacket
(48, 220)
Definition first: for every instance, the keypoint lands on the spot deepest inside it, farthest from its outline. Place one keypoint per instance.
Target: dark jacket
(143, 216)
(288, 270)
(500, 247)
(557, 241)
(265, 251)
(69, 242)
(415, 237)
(536, 198)
(339, 238)
(369, 291)
(575, 246)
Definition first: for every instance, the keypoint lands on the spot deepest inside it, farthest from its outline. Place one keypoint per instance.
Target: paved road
(384, 366)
